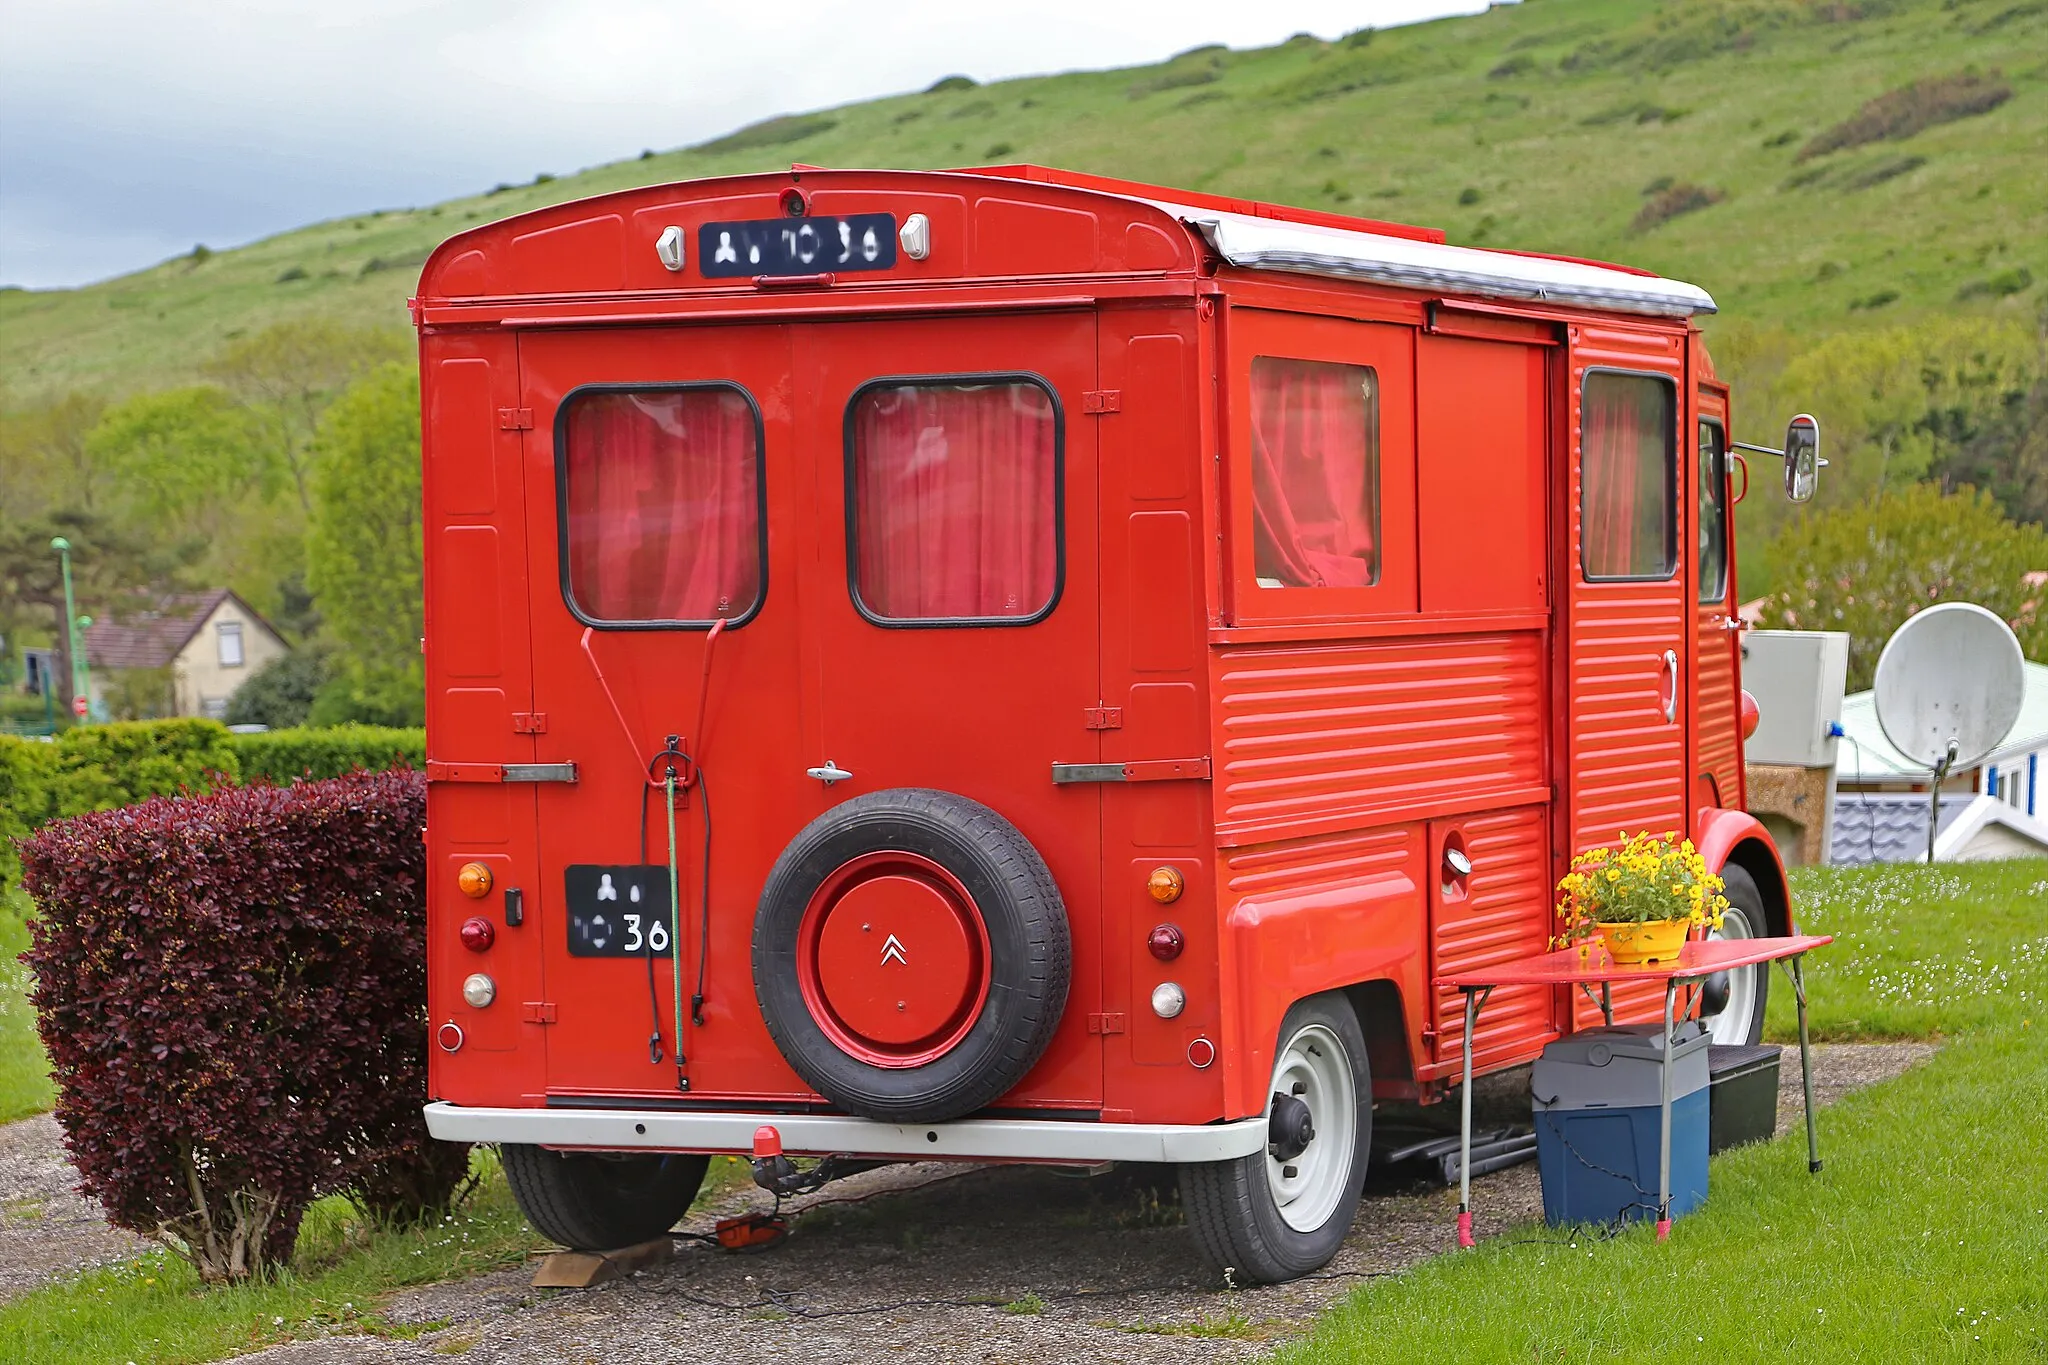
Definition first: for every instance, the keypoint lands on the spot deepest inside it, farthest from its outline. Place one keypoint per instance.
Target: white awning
(1303, 249)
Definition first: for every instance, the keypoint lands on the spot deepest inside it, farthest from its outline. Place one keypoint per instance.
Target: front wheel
(1732, 1003)
(1283, 1211)
(600, 1201)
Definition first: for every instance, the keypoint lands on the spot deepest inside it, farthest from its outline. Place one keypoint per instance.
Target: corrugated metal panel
(1504, 914)
(1376, 727)
(1304, 864)
(1717, 716)
(1629, 761)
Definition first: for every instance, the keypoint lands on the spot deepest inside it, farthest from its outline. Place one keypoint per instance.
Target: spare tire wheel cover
(892, 959)
(911, 955)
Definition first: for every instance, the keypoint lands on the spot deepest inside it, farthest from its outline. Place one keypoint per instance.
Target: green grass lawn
(25, 1087)
(1924, 1239)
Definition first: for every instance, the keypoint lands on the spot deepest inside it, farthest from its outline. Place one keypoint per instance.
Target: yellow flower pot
(1656, 940)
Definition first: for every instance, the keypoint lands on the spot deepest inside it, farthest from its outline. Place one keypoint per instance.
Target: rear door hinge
(1105, 1023)
(1102, 400)
(515, 419)
(1104, 717)
(529, 722)
(538, 1012)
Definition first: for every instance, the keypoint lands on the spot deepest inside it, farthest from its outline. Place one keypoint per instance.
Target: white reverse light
(479, 990)
(1168, 1000)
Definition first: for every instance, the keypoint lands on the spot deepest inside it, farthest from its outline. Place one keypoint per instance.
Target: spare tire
(911, 955)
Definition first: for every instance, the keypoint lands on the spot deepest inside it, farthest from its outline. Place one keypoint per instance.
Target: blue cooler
(1596, 1099)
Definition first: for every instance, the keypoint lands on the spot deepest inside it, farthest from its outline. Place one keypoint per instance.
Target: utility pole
(81, 675)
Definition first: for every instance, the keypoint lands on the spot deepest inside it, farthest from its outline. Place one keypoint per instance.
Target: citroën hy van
(1013, 665)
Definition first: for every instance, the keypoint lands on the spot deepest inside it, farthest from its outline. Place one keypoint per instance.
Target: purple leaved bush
(232, 991)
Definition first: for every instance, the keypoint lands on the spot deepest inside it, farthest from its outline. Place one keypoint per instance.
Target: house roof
(1891, 827)
(153, 638)
(1871, 758)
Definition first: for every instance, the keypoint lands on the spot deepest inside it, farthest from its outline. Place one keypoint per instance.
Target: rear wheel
(1732, 1003)
(1284, 1210)
(598, 1201)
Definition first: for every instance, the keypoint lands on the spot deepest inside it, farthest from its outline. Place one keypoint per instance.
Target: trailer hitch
(778, 1175)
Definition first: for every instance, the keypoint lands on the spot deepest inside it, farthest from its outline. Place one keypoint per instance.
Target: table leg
(1664, 1128)
(1607, 1003)
(1465, 1125)
(1805, 1067)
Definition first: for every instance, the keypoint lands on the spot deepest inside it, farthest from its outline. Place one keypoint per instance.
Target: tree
(286, 376)
(108, 567)
(44, 460)
(182, 455)
(2000, 444)
(363, 547)
(280, 694)
(1864, 569)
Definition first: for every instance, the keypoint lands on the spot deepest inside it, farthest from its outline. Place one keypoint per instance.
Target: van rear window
(953, 500)
(1628, 485)
(660, 490)
(1315, 474)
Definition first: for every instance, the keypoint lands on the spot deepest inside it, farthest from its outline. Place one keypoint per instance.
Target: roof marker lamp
(915, 236)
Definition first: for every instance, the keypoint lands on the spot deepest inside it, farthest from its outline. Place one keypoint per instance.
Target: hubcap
(893, 959)
(1315, 1102)
(1728, 1022)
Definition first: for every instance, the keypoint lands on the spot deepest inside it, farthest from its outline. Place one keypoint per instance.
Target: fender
(1724, 836)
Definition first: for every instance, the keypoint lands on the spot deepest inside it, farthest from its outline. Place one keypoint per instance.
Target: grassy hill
(1816, 164)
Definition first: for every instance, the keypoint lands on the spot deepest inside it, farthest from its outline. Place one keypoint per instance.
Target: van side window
(660, 489)
(1713, 512)
(1315, 474)
(954, 500)
(1627, 503)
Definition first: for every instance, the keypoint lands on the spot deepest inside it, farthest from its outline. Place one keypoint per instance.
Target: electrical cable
(704, 906)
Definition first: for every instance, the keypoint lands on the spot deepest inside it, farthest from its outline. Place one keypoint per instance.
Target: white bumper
(825, 1135)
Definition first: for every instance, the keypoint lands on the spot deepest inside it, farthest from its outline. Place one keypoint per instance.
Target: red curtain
(1315, 473)
(1626, 450)
(954, 501)
(664, 521)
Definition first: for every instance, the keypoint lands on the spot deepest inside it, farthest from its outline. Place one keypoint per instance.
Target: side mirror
(1802, 458)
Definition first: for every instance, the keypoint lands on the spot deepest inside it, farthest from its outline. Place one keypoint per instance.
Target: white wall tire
(1283, 1211)
(1739, 1019)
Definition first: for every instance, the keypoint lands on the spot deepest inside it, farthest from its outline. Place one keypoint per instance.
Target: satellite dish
(1949, 685)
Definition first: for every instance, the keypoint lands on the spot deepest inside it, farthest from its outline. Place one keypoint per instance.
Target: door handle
(1670, 685)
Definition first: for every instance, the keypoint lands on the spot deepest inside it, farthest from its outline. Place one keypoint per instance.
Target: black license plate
(797, 246)
(618, 911)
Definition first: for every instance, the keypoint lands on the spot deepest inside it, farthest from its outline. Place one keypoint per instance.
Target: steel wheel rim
(1314, 1059)
(1731, 1025)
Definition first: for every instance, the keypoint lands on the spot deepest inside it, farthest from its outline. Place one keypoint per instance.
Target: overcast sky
(132, 129)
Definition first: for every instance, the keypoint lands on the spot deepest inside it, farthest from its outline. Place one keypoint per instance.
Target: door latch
(828, 773)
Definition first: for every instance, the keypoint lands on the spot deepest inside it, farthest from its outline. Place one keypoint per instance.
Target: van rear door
(663, 499)
(950, 585)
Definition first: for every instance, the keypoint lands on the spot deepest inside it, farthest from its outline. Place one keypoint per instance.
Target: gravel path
(46, 1228)
(895, 1276)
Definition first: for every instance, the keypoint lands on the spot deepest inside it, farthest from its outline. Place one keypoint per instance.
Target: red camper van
(1012, 665)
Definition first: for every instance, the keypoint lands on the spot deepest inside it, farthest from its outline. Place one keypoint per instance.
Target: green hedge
(99, 767)
(288, 755)
(26, 766)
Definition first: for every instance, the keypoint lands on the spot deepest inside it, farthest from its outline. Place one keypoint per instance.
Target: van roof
(581, 248)
(1255, 235)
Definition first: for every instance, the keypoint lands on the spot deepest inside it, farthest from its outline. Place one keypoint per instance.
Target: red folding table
(1588, 966)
